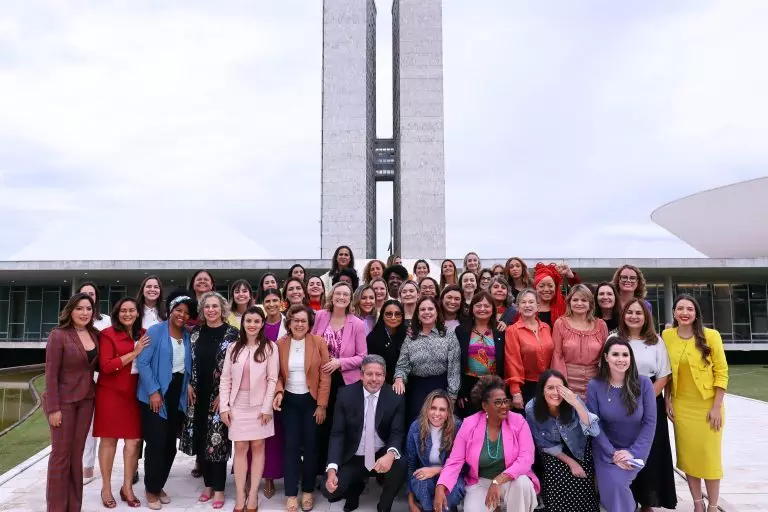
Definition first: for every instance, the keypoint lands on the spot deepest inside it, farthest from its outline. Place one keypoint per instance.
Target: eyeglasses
(631, 279)
(485, 278)
(393, 314)
(502, 402)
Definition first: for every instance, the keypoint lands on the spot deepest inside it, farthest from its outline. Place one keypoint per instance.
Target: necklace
(297, 345)
(610, 387)
(492, 456)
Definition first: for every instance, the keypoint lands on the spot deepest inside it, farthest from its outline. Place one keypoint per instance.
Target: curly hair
(525, 276)
(483, 388)
(641, 290)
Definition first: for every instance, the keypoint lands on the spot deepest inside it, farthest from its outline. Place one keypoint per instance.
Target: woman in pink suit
(498, 448)
(246, 391)
(344, 334)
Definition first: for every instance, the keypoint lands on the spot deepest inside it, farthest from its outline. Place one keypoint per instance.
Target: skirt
(654, 485)
(117, 414)
(246, 420)
(564, 492)
(416, 392)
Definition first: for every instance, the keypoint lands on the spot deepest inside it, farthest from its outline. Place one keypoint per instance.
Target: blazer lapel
(309, 352)
(78, 345)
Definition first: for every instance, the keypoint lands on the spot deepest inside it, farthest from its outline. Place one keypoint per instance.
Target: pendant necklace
(488, 444)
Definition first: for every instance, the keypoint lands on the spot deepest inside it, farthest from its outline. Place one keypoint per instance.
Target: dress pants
(89, 454)
(517, 495)
(160, 437)
(353, 474)
(64, 492)
(300, 433)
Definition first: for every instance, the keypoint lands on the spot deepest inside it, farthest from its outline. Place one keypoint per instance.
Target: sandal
(218, 504)
(307, 501)
(133, 502)
(204, 497)
(269, 488)
(292, 504)
(110, 503)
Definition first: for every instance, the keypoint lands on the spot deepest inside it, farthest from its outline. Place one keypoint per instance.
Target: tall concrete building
(353, 158)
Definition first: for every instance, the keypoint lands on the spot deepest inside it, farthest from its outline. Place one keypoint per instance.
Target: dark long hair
(335, 264)
(261, 293)
(232, 289)
(525, 276)
(540, 407)
(647, 331)
(477, 297)
(162, 314)
(443, 282)
(416, 321)
(96, 302)
(350, 273)
(65, 317)
(630, 391)
(616, 312)
(294, 266)
(263, 347)
(303, 288)
(380, 329)
(698, 326)
(417, 264)
(118, 326)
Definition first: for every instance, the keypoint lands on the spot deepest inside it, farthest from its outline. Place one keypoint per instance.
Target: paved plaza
(745, 487)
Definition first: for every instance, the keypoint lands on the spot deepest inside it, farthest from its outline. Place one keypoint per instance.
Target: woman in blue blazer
(428, 444)
(165, 368)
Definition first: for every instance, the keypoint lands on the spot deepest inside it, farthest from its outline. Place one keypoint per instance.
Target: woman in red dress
(117, 413)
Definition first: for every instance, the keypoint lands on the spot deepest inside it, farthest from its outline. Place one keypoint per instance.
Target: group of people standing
(494, 387)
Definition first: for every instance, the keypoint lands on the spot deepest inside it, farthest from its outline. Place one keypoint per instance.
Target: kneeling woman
(246, 391)
(498, 448)
(428, 444)
(626, 405)
(561, 425)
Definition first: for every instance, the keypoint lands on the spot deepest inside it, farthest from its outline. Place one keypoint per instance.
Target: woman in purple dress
(626, 405)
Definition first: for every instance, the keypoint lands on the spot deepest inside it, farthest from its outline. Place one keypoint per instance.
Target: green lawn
(27, 439)
(749, 380)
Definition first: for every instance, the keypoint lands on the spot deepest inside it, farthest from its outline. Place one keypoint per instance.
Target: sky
(188, 129)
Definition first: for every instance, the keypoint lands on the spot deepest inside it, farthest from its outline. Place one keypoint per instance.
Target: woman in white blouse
(655, 484)
(150, 302)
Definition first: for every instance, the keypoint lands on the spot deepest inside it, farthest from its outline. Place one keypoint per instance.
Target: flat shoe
(165, 499)
(307, 502)
(154, 505)
(269, 488)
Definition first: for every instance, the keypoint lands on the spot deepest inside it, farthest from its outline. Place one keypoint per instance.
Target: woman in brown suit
(71, 357)
(302, 395)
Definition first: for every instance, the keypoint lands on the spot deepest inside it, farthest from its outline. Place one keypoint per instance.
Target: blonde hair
(222, 302)
(584, 290)
(329, 297)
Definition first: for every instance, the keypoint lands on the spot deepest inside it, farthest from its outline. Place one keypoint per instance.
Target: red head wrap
(557, 305)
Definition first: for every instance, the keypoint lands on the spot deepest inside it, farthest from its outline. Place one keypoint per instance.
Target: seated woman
(428, 444)
(561, 424)
(498, 448)
(626, 405)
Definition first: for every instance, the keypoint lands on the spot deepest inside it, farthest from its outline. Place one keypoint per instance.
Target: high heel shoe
(133, 503)
(249, 509)
(110, 503)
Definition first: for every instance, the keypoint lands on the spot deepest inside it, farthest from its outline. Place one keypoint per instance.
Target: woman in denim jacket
(560, 424)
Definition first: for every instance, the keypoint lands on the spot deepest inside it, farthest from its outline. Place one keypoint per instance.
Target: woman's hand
(577, 470)
(226, 419)
(332, 365)
(493, 498)
(621, 458)
(319, 415)
(517, 401)
(265, 418)
(426, 473)
(191, 395)
(155, 402)
(567, 395)
(141, 345)
(398, 387)
(715, 418)
(214, 405)
(441, 502)
(670, 409)
(277, 402)
(54, 419)
(501, 326)
(565, 270)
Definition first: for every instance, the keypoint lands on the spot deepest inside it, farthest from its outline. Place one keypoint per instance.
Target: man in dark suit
(367, 438)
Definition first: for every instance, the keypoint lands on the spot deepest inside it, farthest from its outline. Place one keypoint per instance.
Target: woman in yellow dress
(694, 399)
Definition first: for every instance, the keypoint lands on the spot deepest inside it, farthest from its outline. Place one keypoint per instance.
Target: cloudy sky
(134, 129)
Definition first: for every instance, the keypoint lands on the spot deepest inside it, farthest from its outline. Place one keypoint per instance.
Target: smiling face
(473, 262)
(343, 257)
(628, 280)
(242, 295)
(551, 394)
(409, 294)
(468, 283)
(449, 269)
(367, 301)
(427, 314)
(499, 292)
(179, 316)
(421, 270)
(202, 283)
(269, 283)
(545, 289)
(127, 314)
(294, 293)
(606, 298)
(392, 317)
(580, 303)
(485, 279)
(212, 311)
(271, 305)
(299, 325)
(618, 359)
(82, 313)
(685, 312)
(341, 297)
(634, 317)
(151, 291)
(252, 323)
(438, 412)
(452, 302)
(376, 270)
(373, 377)
(482, 310)
(497, 405)
(394, 283)
(315, 287)
(427, 288)
(527, 305)
(379, 291)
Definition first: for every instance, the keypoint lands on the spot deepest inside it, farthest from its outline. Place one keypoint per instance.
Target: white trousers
(516, 496)
(89, 454)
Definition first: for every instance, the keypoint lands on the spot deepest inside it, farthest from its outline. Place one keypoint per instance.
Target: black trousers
(160, 437)
(214, 474)
(352, 476)
(300, 435)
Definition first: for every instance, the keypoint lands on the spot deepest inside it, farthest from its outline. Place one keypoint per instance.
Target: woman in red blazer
(117, 410)
(70, 359)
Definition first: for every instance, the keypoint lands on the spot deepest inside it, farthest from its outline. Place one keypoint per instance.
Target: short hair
(373, 359)
(190, 301)
(400, 270)
(293, 311)
(329, 298)
(503, 282)
(437, 285)
(525, 291)
(483, 388)
(222, 302)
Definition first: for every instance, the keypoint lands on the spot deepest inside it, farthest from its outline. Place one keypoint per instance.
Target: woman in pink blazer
(498, 448)
(246, 391)
(344, 334)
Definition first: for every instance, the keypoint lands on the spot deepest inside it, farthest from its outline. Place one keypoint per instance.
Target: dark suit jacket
(68, 375)
(349, 417)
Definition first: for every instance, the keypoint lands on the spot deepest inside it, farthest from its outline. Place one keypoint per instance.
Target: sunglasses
(393, 314)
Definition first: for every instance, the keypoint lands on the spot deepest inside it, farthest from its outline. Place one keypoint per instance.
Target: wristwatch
(495, 482)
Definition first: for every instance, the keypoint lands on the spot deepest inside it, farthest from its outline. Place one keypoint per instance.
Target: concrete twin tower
(353, 158)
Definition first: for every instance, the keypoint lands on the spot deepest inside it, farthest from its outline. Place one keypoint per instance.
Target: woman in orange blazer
(246, 392)
(302, 395)
(71, 355)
